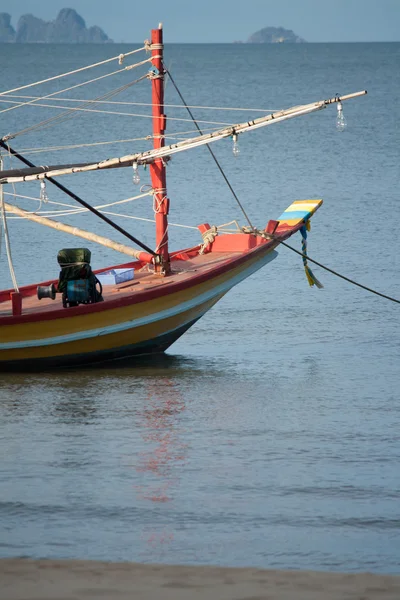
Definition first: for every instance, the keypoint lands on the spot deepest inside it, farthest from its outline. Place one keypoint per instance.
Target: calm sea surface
(269, 435)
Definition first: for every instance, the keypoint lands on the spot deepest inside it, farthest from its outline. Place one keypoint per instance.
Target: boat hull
(139, 325)
(152, 346)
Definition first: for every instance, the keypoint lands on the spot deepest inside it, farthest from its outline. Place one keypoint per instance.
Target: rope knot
(208, 238)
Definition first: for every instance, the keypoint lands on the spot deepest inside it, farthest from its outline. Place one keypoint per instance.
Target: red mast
(157, 169)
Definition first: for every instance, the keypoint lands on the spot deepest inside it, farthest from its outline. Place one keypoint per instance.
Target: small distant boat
(142, 306)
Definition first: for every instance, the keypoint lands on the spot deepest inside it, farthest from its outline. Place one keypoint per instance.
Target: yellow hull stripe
(122, 326)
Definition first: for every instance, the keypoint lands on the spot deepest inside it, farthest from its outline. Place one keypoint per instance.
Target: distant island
(67, 28)
(70, 28)
(274, 35)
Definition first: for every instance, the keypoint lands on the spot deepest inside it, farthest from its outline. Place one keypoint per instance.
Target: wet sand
(23, 579)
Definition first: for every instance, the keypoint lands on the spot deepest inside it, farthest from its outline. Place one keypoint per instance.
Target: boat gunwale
(139, 295)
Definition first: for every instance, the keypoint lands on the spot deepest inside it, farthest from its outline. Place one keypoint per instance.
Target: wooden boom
(151, 155)
(87, 235)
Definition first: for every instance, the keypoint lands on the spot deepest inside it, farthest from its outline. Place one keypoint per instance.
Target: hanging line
(312, 280)
(364, 287)
(209, 149)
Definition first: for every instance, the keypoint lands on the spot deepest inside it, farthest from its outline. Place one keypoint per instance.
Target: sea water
(269, 434)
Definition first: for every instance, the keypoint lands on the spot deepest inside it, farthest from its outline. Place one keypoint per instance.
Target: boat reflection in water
(165, 453)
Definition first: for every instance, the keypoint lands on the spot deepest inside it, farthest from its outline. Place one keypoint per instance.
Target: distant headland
(67, 28)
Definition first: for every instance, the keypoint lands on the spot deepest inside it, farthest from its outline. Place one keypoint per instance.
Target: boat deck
(144, 280)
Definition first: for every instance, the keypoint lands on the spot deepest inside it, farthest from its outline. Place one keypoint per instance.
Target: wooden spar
(157, 168)
(41, 169)
(87, 235)
(201, 140)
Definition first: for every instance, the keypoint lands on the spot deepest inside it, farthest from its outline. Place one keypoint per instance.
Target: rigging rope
(74, 211)
(209, 149)
(27, 151)
(231, 108)
(41, 150)
(72, 87)
(79, 200)
(112, 112)
(103, 62)
(364, 287)
(71, 111)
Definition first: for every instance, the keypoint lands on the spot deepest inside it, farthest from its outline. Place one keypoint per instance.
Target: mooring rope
(364, 287)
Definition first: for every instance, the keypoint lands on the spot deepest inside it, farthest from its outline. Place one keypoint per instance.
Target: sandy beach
(23, 579)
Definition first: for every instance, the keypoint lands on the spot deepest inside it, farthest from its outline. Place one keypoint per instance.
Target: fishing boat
(139, 307)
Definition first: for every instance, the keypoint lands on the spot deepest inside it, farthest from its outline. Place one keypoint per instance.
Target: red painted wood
(16, 303)
(234, 243)
(157, 169)
(203, 227)
(271, 226)
(201, 274)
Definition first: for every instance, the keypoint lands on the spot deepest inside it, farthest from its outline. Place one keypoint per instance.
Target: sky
(213, 21)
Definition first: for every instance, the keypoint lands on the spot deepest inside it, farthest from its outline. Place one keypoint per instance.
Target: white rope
(115, 214)
(124, 216)
(234, 222)
(208, 238)
(27, 151)
(103, 62)
(72, 211)
(15, 195)
(111, 112)
(172, 136)
(98, 207)
(163, 242)
(69, 113)
(150, 220)
(72, 87)
(6, 235)
(230, 108)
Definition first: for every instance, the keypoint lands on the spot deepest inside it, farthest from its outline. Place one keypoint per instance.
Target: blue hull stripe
(164, 314)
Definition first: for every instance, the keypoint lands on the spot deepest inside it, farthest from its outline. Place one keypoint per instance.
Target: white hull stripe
(159, 316)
